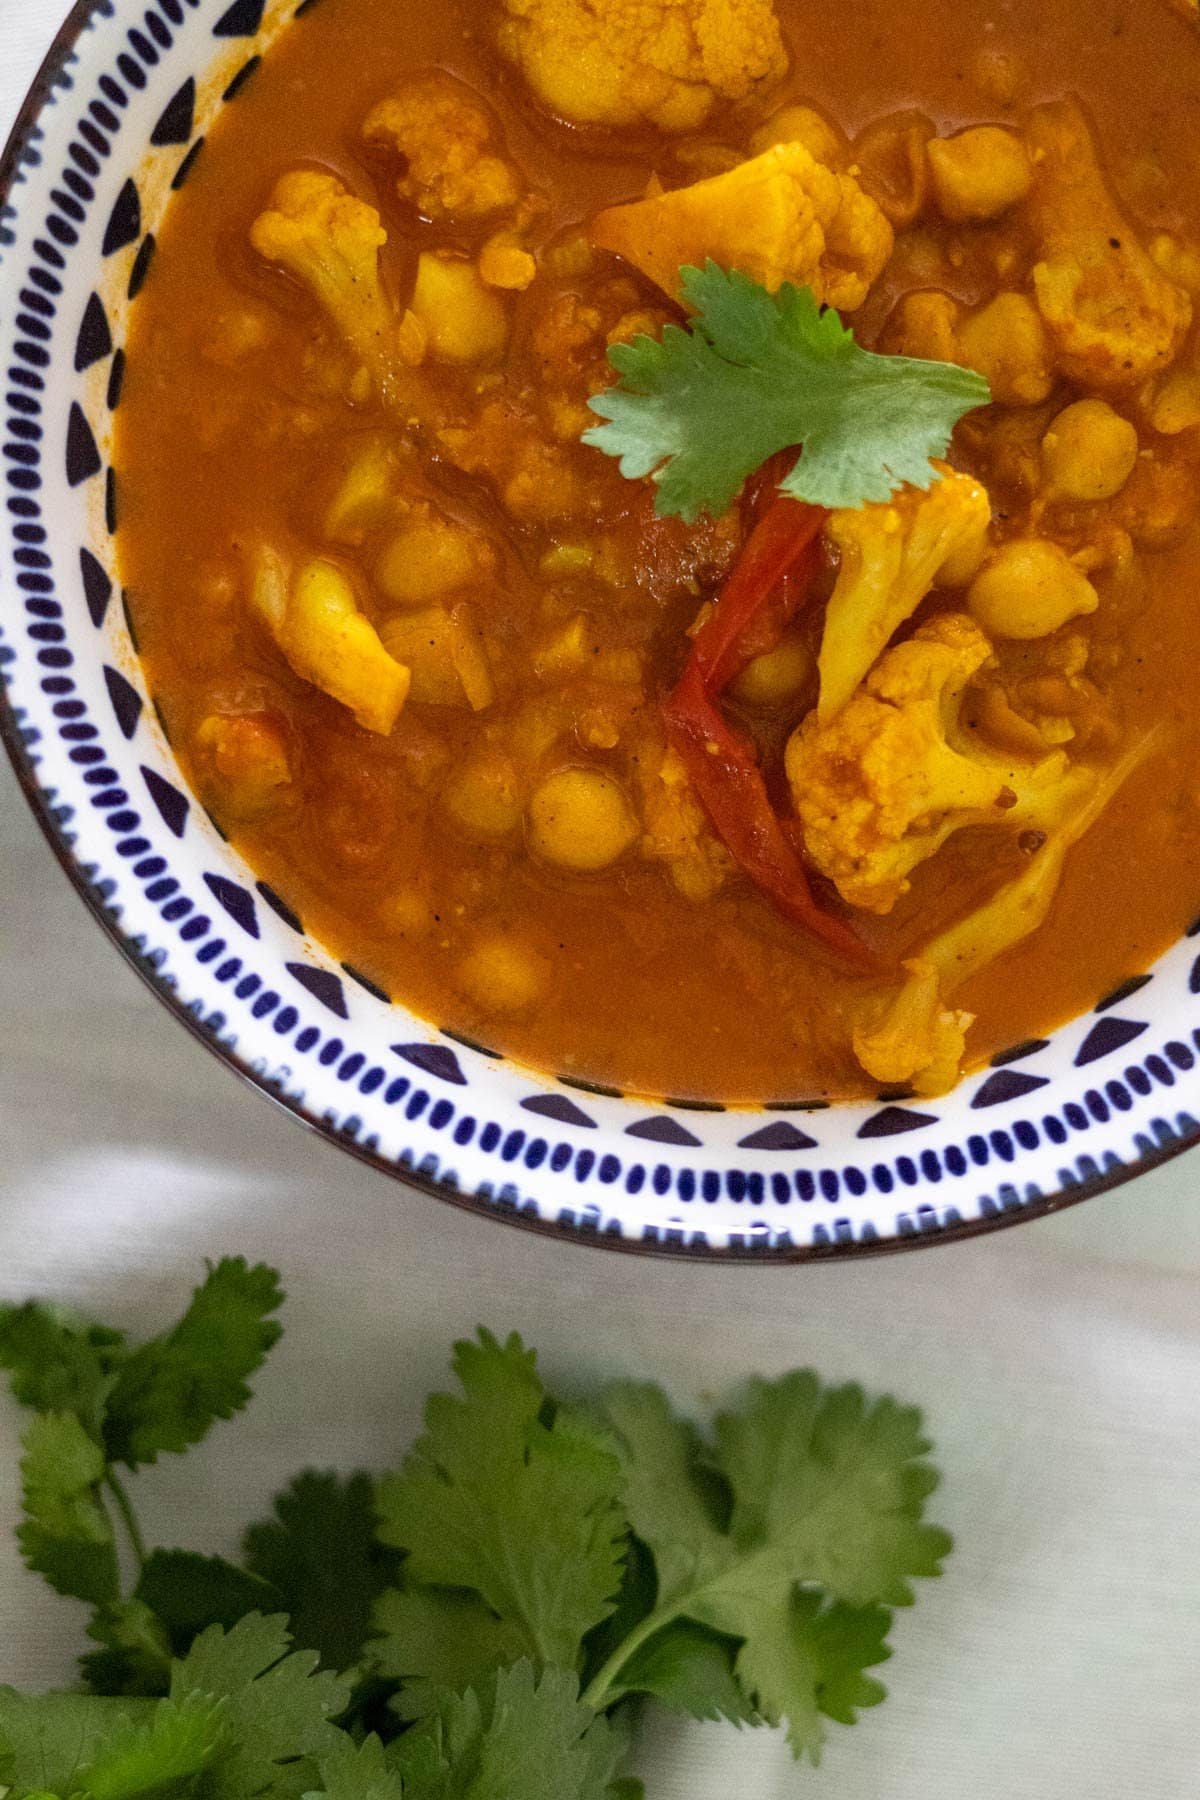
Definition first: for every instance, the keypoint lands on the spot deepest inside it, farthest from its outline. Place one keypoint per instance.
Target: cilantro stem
(128, 1517)
(595, 1694)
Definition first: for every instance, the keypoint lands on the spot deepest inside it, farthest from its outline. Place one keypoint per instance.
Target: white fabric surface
(1059, 1364)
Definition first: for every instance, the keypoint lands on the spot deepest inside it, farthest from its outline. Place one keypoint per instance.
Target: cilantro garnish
(754, 373)
(472, 1626)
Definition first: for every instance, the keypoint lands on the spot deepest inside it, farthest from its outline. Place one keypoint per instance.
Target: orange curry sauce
(235, 427)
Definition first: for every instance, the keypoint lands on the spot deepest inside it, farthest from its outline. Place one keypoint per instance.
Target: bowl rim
(761, 1254)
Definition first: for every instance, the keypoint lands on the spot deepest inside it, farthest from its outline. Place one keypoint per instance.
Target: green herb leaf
(323, 1562)
(442, 1637)
(187, 1593)
(360, 1773)
(136, 1658)
(690, 1670)
(755, 373)
(45, 1739)
(523, 1511)
(821, 1490)
(170, 1391)
(55, 1364)
(179, 1740)
(279, 1709)
(66, 1534)
(518, 1736)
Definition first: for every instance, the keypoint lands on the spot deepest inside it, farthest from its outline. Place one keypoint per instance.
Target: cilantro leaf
(507, 1498)
(755, 373)
(279, 1709)
(822, 1491)
(690, 1670)
(186, 1593)
(361, 1773)
(177, 1742)
(136, 1654)
(441, 1636)
(518, 1736)
(323, 1562)
(170, 1391)
(56, 1364)
(66, 1534)
(45, 1739)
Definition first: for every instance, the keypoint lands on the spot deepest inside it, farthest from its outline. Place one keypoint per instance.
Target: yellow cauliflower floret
(628, 62)
(781, 216)
(316, 621)
(451, 162)
(318, 231)
(891, 555)
(910, 1035)
(880, 788)
(676, 831)
(1113, 316)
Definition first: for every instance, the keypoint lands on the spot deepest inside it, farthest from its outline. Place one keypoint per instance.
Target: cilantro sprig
(480, 1625)
(754, 373)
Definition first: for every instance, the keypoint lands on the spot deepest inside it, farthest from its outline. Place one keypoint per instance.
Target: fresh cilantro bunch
(754, 373)
(482, 1624)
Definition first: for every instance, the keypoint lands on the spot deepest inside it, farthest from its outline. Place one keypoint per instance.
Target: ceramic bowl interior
(114, 125)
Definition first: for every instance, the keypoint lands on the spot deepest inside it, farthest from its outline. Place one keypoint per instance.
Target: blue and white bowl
(111, 127)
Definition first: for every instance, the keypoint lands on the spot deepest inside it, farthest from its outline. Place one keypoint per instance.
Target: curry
(760, 800)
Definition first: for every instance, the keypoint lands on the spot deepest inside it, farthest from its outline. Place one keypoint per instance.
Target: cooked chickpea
(776, 675)
(978, 174)
(1005, 341)
(503, 974)
(800, 125)
(1175, 405)
(1028, 589)
(483, 797)
(1088, 453)
(889, 157)
(430, 556)
(580, 819)
(924, 324)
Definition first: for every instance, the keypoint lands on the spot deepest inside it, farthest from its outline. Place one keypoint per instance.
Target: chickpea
(430, 556)
(890, 161)
(800, 125)
(924, 324)
(1088, 452)
(978, 174)
(1006, 342)
(1175, 405)
(503, 974)
(483, 797)
(776, 675)
(1028, 589)
(580, 819)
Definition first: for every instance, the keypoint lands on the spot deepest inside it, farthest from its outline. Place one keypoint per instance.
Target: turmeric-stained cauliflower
(676, 831)
(1113, 316)
(327, 238)
(628, 62)
(891, 555)
(909, 1035)
(315, 619)
(781, 216)
(882, 786)
(451, 161)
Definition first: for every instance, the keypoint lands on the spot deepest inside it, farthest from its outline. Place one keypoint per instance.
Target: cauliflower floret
(316, 622)
(781, 216)
(628, 62)
(883, 786)
(318, 231)
(891, 555)
(675, 829)
(910, 1035)
(1113, 316)
(448, 146)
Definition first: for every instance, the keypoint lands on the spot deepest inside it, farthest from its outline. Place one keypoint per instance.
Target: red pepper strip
(733, 793)
(787, 531)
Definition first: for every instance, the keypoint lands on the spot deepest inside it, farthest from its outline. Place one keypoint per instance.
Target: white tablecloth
(1059, 1365)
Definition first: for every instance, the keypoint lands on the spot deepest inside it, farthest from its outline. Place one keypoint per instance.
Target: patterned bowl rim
(750, 1251)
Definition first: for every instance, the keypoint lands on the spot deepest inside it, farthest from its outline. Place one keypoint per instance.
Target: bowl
(110, 128)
